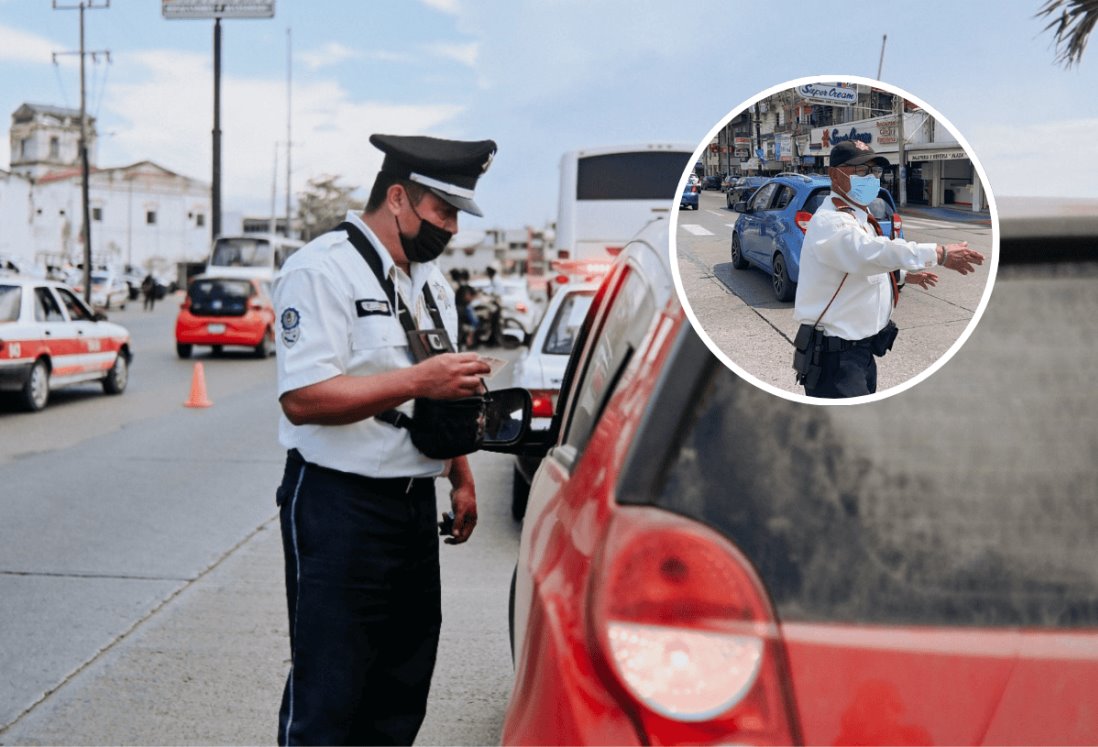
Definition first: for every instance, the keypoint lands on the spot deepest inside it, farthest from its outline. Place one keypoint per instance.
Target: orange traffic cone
(198, 389)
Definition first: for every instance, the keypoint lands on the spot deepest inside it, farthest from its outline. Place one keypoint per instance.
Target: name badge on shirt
(371, 307)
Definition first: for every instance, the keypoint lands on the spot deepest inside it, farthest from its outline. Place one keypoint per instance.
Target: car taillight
(897, 224)
(687, 634)
(256, 305)
(802, 217)
(186, 305)
(521, 308)
(542, 403)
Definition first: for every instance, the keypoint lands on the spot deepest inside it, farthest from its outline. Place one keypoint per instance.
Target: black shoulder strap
(369, 253)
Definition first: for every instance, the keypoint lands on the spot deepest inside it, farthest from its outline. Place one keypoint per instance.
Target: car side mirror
(740, 207)
(99, 316)
(506, 417)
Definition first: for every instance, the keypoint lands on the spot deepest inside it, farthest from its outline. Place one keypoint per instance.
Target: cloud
(331, 53)
(23, 46)
(444, 6)
(168, 115)
(466, 54)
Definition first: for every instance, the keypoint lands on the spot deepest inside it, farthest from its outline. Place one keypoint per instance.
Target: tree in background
(323, 205)
(1071, 22)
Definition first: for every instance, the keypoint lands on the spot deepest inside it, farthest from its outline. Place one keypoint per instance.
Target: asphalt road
(738, 314)
(141, 567)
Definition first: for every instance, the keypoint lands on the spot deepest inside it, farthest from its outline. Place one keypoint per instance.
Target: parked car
(728, 182)
(704, 563)
(49, 338)
(108, 288)
(689, 199)
(744, 187)
(541, 370)
(712, 182)
(221, 311)
(770, 230)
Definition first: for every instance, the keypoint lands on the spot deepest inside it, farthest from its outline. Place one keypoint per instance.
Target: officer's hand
(463, 500)
(925, 280)
(450, 376)
(962, 259)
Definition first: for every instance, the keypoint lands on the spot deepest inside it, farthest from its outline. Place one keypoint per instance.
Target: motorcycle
(493, 328)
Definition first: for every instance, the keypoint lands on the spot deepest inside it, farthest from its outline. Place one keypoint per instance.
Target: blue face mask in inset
(864, 189)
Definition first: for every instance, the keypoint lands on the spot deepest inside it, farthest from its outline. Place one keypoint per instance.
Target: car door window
(762, 197)
(630, 315)
(46, 308)
(10, 296)
(785, 194)
(78, 312)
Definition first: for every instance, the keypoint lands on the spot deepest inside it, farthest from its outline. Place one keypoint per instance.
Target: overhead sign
(198, 9)
(835, 94)
(941, 155)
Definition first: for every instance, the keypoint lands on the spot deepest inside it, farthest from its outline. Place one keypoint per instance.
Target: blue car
(770, 229)
(689, 199)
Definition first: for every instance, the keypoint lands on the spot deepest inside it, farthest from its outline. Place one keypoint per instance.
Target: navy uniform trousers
(846, 373)
(365, 606)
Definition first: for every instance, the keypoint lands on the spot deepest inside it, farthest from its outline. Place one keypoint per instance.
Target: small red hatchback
(704, 563)
(221, 311)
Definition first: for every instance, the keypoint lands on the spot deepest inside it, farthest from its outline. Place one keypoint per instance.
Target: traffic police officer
(847, 289)
(357, 498)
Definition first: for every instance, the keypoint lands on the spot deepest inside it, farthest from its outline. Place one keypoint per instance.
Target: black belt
(379, 485)
(838, 344)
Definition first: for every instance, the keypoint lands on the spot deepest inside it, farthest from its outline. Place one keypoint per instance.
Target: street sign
(198, 9)
(835, 94)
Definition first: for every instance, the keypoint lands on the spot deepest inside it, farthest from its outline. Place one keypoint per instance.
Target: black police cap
(449, 168)
(855, 153)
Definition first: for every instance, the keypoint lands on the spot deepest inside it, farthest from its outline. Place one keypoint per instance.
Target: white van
(258, 255)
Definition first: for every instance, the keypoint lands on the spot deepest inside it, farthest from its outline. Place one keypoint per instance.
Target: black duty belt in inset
(440, 429)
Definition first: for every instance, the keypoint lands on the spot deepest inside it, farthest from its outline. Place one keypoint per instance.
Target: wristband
(945, 255)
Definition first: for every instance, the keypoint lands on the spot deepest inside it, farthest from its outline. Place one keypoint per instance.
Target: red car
(703, 562)
(221, 311)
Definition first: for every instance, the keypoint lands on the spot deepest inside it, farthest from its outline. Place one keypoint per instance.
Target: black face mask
(428, 242)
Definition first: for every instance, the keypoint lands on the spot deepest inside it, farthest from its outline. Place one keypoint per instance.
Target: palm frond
(1071, 22)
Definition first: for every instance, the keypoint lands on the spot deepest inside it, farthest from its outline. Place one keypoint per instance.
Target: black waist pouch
(806, 356)
(443, 429)
(881, 342)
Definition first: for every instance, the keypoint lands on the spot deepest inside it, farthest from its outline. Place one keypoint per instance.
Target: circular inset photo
(836, 240)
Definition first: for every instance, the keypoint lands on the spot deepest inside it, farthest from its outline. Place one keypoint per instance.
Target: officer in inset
(357, 497)
(847, 286)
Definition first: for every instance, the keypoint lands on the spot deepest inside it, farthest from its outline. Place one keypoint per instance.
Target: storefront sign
(939, 155)
(886, 132)
(835, 94)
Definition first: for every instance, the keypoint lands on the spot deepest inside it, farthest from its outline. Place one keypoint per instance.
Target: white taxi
(49, 338)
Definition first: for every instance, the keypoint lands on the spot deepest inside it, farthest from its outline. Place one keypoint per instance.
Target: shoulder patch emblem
(291, 327)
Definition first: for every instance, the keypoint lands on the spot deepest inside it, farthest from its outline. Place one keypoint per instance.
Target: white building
(141, 215)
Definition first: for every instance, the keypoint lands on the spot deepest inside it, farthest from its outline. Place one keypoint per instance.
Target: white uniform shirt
(837, 243)
(334, 318)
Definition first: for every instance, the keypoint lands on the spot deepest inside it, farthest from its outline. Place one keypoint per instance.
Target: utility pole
(215, 188)
(880, 65)
(272, 225)
(84, 185)
(902, 175)
(289, 140)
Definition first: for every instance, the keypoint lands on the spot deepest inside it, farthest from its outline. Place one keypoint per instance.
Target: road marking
(717, 213)
(695, 229)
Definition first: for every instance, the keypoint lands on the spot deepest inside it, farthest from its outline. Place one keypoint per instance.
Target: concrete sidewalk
(208, 666)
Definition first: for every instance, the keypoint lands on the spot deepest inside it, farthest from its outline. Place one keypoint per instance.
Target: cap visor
(461, 203)
(867, 158)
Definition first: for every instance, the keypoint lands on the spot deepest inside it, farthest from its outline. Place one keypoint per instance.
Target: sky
(538, 77)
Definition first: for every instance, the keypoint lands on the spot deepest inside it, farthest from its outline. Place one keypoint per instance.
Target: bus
(607, 195)
(258, 255)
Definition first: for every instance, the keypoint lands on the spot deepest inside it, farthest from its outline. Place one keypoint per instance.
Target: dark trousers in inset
(846, 373)
(362, 587)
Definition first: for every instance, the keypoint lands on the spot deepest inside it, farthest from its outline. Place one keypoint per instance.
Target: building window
(24, 149)
(150, 217)
(200, 220)
(97, 214)
(55, 147)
